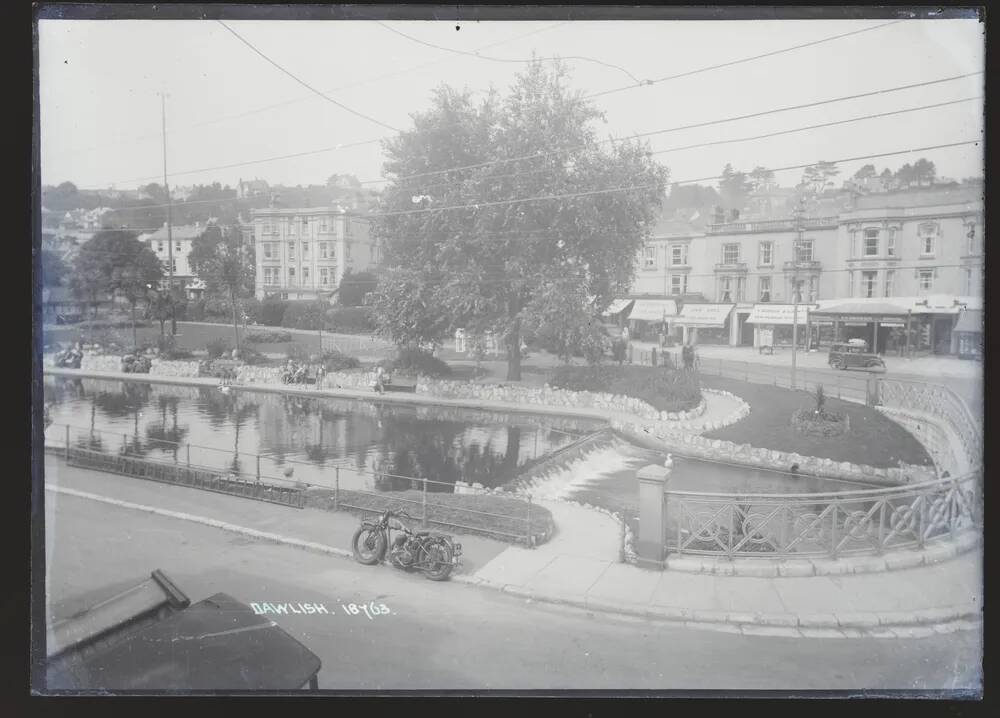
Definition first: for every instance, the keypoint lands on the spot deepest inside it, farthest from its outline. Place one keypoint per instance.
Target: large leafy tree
(221, 258)
(115, 262)
(734, 186)
(54, 269)
(464, 249)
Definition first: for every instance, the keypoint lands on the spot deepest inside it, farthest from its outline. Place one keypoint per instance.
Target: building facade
(182, 237)
(923, 246)
(305, 253)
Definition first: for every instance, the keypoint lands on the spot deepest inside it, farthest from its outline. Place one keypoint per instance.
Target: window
(159, 246)
(649, 257)
(805, 251)
(678, 284)
(928, 232)
(730, 253)
(305, 250)
(890, 244)
(764, 289)
(926, 279)
(323, 250)
(291, 250)
(324, 276)
(267, 250)
(305, 276)
(293, 225)
(177, 246)
(324, 225)
(889, 277)
(868, 280)
(741, 286)
(291, 276)
(725, 289)
(679, 254)
(765, 254)
(871, 243)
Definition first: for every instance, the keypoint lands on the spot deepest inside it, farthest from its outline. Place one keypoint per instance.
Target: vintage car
(854, 355)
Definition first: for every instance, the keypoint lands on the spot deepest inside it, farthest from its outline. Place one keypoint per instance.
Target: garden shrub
(304, 314)
(251, 356)
(663, 388)
(350, 320)
(338, 361)
(195, 311)
(413, 362)
(217, 347)
(820, 423)
(255, 336)
(168, 349)
(272, 312)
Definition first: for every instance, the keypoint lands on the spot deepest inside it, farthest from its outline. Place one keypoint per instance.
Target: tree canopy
(462, 246)
(54, 269)
(224, 262)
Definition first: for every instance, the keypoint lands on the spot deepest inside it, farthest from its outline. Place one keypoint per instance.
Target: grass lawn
(873, 439)
(456, 510)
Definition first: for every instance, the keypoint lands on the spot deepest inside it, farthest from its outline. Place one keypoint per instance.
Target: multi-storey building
(183, 237)
(305, 253)
(921, 248)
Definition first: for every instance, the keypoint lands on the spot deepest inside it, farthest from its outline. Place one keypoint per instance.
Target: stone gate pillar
(652, 515)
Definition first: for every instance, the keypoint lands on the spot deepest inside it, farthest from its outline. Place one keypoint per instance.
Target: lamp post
(799, 212)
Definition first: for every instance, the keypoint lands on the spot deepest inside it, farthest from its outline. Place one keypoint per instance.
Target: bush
(272, 312)
(350, 320)
(337, 361)
(664, 389)
(195, 311)
(167, 346)
(297, 353)
(304, 314)
(217, 347)
(413, 362)
(619, 350)
(268, 337)
(252, 356)
(820, 423)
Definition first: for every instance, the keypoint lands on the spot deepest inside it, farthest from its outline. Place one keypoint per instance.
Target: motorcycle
(435, 554)
(69, 359)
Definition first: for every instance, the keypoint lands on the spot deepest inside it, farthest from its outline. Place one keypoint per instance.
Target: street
(453, 636)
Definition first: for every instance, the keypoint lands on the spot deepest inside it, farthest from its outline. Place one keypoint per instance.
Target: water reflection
(305, 435)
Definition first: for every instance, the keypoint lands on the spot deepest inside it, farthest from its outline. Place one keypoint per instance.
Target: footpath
(580, 567)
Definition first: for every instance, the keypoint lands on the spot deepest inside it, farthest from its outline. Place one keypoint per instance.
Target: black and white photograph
(478, 349)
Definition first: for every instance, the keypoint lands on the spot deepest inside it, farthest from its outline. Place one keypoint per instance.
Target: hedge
(350, 320)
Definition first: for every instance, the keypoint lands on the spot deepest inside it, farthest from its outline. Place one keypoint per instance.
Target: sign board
(704, 315)
(892, 324)
(778, 314)
(653, 310)
(766, 337)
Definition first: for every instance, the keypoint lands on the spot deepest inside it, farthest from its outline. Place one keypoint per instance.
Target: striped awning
(653, 310)
(616, 306)
(704, 315)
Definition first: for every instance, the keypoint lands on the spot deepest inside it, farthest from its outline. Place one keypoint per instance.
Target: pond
(304, 438)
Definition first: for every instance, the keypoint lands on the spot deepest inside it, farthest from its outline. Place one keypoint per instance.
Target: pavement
(447, 636)
(580, 568)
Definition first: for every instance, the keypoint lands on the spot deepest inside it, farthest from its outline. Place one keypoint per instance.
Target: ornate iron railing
(822, 524)
(939, 401)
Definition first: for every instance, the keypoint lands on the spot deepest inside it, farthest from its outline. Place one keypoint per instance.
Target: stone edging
(901, 624)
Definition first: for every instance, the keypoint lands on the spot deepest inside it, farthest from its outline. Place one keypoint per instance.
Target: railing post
(188, 455)
(67, 442)
(258, 468)
(125, 443)
(528, 539)
(336, 488)
(423, 521)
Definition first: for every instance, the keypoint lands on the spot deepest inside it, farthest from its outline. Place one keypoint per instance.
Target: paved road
(455, 636)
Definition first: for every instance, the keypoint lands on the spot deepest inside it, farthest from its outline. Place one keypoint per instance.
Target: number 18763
(370, 609)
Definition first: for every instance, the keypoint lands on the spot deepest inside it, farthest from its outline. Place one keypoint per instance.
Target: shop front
(886, 327)
(706, 323)
(773, 325)
(617, 311)
(651, 319)
(969, 334)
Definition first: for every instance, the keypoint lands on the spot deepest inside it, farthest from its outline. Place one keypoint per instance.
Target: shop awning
(616, 306)
(779, 314)
(971, 320)
(867, 311)
(704, 315)
(653, 310)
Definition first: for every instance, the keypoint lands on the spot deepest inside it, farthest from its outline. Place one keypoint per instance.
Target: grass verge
(872, 439)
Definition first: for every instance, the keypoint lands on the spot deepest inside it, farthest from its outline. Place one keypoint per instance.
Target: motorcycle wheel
(369, 546)
(439, 557)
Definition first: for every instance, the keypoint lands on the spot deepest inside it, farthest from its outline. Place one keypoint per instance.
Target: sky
(100, 107)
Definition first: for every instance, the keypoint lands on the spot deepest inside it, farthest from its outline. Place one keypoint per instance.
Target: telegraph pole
(170, 235)
(799, 211)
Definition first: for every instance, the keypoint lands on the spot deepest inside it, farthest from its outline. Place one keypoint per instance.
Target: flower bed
(820, 423)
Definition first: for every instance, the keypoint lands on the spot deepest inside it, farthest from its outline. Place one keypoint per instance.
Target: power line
(679, 128)
(743, 60)
(305, 84)
(501, 59)
(293, 101)
(729, 141)
(696, 125)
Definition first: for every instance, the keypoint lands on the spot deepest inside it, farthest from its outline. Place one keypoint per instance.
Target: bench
(396, 385)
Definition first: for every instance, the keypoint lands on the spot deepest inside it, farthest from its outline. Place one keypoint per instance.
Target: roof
(184, 231)
(216, 644)
(970, 320)
(921, 197)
